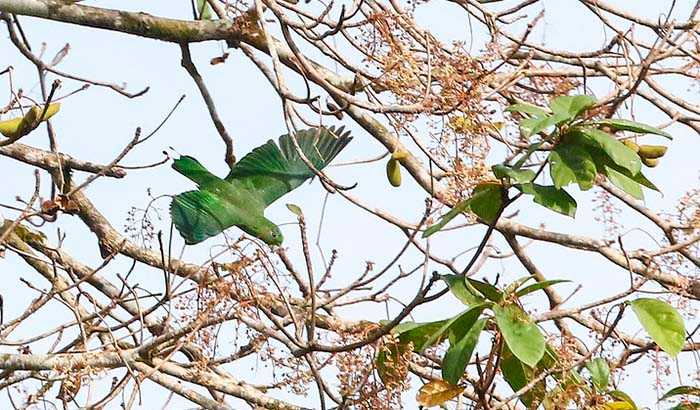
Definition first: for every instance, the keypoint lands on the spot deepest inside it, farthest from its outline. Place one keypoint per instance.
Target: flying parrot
(257, 180)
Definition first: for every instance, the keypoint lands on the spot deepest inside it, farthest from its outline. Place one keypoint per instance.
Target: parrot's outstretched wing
(270, 171)
(199, 215)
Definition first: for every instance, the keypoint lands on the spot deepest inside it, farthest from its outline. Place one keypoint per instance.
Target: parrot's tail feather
(192, 169)
(198, 215)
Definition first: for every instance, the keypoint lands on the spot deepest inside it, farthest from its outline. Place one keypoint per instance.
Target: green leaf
(532, 126)
(624, 182)
(457, 357)
(203, 10)
(621, 177)
(468, 316)
(681, 391)
(510, 289)
(537, 286)
(572, 163)
(530, 149)
(622, 396)
(517, 375)
(521, 334)
(618, 124)
(642, 180)
(620, 154)
(571, 106)
(459, 289)
(487, 201)
(527, 109)
(600, 373)
(484, 209)
(550, 197)
(662, 322)
(295, 210)
(491, 292)
(418, 333)
(517, 176)
(561, 173)
(445, 219)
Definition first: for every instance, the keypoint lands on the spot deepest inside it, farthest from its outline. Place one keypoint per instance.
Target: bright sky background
(97, 124)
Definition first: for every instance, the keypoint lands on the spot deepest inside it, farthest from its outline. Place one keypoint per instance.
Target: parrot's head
(272, 235)
(266, 230)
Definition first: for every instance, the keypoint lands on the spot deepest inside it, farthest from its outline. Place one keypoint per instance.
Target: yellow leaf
(9, 128)
(618, 405)
(20, 126)
(437, 392)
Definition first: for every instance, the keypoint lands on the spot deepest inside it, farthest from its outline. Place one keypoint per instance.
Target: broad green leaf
(459, 327)
(527, 109)
(663, 323)
(295, 209)
(418, 333)
(561, 173)
(521, 334)
(620, 176)
(461, 320)
(487, 201)
(491, 292)
(532, 126)
(571, 106)
(437, 392)
(517, 176)
(537, 286)
(681, 391)
(517, 375)
(572, 163)
(600, 373)
(620, 154)
(618, 124)
(550, 197)
(641, 179)
(624, 398)
(624, 182)
(460, 290)
(457, 357)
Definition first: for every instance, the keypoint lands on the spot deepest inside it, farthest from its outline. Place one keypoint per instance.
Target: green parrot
(259, 179)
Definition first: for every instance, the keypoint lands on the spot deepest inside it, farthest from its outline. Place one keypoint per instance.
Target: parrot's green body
(260, 178)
